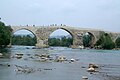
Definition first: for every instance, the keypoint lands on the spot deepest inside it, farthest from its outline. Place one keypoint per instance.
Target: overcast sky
(100, 14)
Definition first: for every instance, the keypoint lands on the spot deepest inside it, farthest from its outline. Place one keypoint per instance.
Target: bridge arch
(83, 35)
(15, 30)
(93, 41)
(68, 31)
(64, 29)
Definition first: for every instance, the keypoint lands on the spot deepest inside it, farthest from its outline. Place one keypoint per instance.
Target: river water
(108, 61)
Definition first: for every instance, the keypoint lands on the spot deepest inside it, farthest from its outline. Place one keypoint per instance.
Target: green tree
(5, 35)
(100, 40)
(105, 42)
(117, 42)
(24, 40)
(108, 43)
(60, 41)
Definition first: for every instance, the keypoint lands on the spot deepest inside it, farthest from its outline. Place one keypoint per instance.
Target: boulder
(60, 58)
(84, 77)
(91, 69)
(1, 55)
(93, 65)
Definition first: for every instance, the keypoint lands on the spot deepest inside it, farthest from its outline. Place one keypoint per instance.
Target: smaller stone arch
(93, 40)
(70, 32)
(94, 37)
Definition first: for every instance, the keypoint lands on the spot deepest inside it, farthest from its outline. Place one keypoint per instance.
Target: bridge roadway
(42, 34)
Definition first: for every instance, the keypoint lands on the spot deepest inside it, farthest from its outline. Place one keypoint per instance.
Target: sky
(98, 14)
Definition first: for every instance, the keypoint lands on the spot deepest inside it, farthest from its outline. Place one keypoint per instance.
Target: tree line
(64, 41)
(26, 40)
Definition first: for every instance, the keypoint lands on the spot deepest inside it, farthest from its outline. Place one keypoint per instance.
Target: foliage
(86, 40)
(5, 35)
(23, 40)
(108, 43)
(60, 41)
(100, 41)
(105, 42)
(117, 42)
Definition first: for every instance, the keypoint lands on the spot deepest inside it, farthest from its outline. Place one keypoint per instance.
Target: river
(107, 60)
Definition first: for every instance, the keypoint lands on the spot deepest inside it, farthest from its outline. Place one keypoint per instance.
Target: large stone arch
(76, 34)
(15, 29)
(67, 30)
(24, 29)
(29, 28)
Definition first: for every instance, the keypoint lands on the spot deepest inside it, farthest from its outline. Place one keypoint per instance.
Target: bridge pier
(41, 44)
(77, 41)
(77, 44)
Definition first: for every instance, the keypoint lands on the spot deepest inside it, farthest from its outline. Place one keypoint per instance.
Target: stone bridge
(42, 34)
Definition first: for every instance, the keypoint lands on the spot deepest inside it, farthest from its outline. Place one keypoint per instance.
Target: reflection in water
(108, 60)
